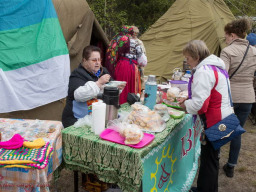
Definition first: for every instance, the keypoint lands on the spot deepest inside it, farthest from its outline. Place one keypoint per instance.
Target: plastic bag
(162, 110)
(85, 121)
(131, 132)
(146, 119)
(172, 93)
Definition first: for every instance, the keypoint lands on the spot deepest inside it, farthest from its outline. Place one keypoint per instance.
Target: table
(133, 169)
(172, 165)
(21, 179)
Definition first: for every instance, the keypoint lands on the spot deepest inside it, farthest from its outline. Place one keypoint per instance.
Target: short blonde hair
(197, 49)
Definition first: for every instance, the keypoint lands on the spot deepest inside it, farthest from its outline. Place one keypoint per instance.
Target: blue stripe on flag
(16, 13)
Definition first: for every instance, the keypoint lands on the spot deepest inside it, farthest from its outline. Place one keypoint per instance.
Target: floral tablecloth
(111, 162)
(21, 179)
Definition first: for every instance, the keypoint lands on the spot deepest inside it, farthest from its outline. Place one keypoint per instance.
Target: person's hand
(121, 87)
(182, 105)
(103, 80)
(181, 102)
(181, 99)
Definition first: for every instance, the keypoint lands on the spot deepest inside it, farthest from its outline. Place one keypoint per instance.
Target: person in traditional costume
(122, 58)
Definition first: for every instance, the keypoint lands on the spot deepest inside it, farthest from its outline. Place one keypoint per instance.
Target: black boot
(229, 171)
(193, 189)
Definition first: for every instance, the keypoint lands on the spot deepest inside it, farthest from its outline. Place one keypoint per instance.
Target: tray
(113, 136)
(173, 105)
(181, 113)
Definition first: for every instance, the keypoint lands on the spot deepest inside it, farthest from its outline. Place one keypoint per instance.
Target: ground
(244, 179)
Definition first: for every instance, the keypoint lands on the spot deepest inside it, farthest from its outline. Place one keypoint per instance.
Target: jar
(177, 74)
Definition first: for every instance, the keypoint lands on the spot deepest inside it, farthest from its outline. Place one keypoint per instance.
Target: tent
(80, 28)
(184, 21)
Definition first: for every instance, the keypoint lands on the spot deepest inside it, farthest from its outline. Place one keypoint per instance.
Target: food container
(182, 85)
(177, 74)
(119, 84)
(171, 104)
(175, 114)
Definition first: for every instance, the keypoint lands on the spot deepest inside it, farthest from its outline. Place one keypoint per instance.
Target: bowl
(119, 84)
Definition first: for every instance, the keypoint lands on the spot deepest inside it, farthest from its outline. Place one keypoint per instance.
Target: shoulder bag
(225, 130)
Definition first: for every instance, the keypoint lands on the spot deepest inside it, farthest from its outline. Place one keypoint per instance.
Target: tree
(108, 15)
(142, 13)
(112, 14)
(242, 7)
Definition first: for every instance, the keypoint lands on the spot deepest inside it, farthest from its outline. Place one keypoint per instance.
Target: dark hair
(197, 49)
(239, 26)
(88, 51)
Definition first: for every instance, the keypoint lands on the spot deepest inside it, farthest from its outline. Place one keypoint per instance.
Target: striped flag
(34, 59)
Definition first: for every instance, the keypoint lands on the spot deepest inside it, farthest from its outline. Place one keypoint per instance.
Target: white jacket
(210, 97)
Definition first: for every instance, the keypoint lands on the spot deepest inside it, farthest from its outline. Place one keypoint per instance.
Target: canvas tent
(184, 21)
(80, 28)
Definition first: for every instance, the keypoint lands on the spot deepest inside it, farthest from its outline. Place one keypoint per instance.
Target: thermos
(150, 92)
(111, 98)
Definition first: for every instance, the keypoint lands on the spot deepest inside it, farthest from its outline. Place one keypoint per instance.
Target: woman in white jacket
(208, 98)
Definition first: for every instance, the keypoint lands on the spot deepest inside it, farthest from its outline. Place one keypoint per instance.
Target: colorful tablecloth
(172, 165)
(111, 162)
(22, 179)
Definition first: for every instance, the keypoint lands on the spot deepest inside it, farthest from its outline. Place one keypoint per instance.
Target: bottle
(185, 65)
(150, 92)
(186, 76)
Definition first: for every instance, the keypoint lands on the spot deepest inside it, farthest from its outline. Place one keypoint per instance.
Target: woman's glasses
(94, 60)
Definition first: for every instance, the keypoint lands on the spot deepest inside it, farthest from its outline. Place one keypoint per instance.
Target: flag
(34, 59)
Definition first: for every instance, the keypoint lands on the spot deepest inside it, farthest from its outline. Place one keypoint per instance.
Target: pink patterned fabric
(14, 143)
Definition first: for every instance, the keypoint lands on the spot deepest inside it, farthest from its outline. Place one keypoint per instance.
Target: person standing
(85, 83)
(143, 57)
(208, 98)
(122, 61)
(240, 60)
(251, 37)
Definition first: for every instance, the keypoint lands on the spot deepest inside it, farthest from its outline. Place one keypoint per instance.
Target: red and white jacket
(210, 91)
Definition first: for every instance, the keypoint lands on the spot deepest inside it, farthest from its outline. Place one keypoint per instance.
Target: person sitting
(85, 83)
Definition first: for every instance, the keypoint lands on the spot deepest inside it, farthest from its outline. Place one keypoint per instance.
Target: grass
(242, 169)
(254, 183)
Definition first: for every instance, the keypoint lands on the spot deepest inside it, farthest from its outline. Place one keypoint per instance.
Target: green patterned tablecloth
(111, 162)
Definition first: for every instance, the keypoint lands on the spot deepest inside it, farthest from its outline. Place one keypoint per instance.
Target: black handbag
(225, 130)
(132, 98)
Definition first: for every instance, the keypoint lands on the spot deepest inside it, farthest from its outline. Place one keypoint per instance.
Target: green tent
(184, 21)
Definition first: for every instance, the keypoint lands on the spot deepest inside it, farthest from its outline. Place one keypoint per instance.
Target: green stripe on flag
(32, 44)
